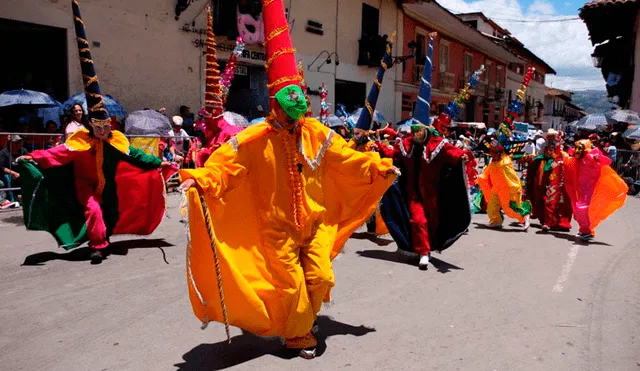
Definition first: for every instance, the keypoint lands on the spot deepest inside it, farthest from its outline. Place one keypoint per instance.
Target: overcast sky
(565, 46)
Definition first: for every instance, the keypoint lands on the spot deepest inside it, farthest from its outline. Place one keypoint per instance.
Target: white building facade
(146, 58)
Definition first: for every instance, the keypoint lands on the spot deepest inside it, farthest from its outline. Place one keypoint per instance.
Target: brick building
(459, 50)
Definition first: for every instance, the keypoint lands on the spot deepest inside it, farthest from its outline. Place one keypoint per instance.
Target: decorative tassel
(231, 67)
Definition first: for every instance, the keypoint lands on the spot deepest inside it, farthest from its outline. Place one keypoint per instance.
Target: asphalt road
(497, 300)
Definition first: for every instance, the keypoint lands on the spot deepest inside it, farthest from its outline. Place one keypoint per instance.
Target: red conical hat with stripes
(282, 69)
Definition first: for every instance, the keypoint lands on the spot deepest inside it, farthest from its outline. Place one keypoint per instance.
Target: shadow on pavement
(247, 347)
(82, 254)
(375, 239)
(408, 259)
(442, 266)
(503, 230)
(571, 238)
(15, 219)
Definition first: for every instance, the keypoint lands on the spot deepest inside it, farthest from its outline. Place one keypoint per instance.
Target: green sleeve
(141, 159)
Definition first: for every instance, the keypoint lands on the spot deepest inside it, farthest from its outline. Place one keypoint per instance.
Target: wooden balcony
(446, 81)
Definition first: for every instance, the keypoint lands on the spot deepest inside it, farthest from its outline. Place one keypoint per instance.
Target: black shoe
(96, 256)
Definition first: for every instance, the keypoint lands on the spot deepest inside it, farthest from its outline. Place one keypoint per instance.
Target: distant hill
(592, 101)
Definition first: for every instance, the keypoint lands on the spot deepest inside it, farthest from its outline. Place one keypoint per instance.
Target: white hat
(15, 138)
(177, 120)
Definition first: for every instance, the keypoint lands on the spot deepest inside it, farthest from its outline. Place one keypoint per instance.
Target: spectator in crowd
(7, 156)
(51, 141)
(179, 140)
(539, 141)
(75, 119)
(188, 120)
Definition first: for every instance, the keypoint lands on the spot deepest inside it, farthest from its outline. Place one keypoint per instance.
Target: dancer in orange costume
(284, 195)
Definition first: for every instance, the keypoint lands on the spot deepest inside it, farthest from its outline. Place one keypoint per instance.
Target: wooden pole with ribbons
(207, 220)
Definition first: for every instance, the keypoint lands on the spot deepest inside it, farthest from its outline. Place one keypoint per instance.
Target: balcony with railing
(446, 81)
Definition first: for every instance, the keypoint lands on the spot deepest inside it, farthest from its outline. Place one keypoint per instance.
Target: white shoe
(527, 223)
(424, 262)
(309, 353)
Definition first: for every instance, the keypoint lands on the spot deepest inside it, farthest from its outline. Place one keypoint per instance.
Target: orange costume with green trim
(283, 204)
(502, 189)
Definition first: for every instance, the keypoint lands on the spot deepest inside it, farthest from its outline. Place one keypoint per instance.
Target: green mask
(292, 100)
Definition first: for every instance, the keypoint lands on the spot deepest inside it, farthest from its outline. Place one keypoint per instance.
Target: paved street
(499, 300)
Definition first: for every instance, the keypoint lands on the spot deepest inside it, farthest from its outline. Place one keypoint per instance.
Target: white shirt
(529, 148)
(540, 142)
(179, 137)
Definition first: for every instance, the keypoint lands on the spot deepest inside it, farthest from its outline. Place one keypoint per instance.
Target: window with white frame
(468, 65)
(444, 56)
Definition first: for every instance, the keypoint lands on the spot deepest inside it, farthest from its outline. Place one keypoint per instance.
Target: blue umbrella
(113, 107)
(27, 98)
(377, 117)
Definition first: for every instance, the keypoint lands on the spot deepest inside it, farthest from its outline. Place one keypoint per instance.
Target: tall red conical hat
(282, 69)
(213, 90)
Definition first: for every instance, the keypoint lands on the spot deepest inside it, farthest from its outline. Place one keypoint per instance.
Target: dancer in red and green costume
(550, 202)
(96, 184)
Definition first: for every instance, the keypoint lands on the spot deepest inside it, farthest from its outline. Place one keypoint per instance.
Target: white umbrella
(235, 119)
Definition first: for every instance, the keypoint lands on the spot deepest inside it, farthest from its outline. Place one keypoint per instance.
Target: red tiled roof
(601, 3)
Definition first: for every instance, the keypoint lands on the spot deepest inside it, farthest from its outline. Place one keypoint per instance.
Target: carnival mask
(580, 148)
(101, 128)
(292, 101)
(419, 134)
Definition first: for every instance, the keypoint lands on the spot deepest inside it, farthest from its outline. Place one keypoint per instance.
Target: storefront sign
(248, 55)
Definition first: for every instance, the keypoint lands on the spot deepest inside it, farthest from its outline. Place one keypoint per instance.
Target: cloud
(565, 46)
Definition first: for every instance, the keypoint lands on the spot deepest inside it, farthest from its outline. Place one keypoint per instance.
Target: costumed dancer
(545, 186)
(595, 189)
(273, 207)
(428, 209)
(499, 182)
(91, 198)
(364, 139)
(212, 123)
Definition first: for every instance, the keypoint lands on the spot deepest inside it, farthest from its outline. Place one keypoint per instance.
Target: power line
(538, 20)
(556, 20)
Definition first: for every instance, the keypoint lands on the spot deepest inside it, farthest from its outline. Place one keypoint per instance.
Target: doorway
(350, 94)
(34, 58)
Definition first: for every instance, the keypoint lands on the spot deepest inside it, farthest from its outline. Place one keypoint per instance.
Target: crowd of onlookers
(183, 142)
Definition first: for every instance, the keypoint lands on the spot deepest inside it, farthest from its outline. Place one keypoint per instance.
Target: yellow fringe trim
(276, 32)
(284, 79)
(279, 53)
